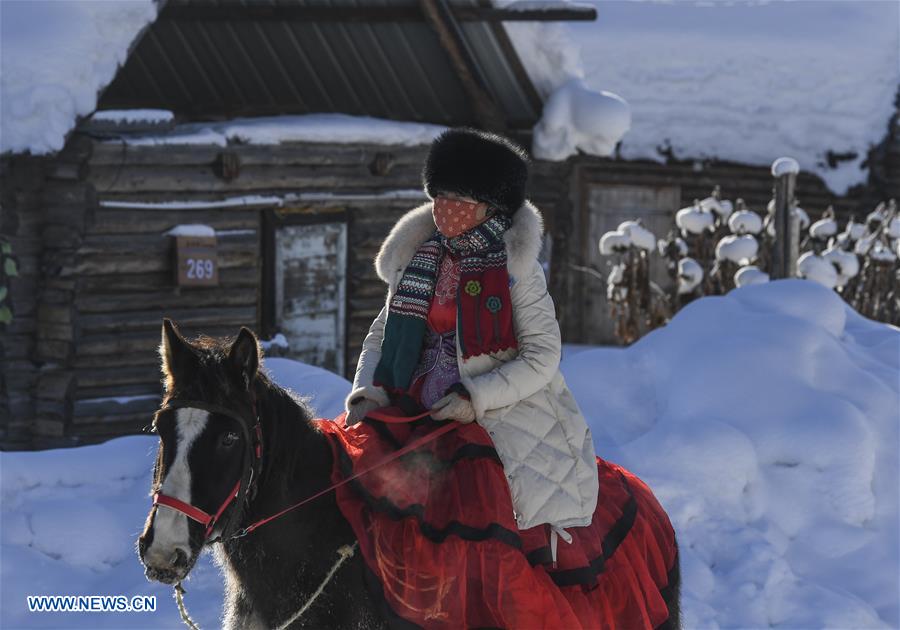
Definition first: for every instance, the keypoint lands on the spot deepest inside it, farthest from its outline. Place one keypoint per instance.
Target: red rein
(209, 520)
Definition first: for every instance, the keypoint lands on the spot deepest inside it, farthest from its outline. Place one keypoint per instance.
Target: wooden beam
(234, 12)
(452, 40)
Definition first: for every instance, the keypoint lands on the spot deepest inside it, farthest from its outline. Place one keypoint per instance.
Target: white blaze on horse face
(170, 527)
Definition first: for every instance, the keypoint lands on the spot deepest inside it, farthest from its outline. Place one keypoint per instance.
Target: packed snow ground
(738, 80)
(766, 421)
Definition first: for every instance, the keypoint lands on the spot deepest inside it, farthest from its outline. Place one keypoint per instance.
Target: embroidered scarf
(484, 310)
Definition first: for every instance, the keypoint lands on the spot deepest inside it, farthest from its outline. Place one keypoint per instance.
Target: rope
(344, 553)
(179, 599)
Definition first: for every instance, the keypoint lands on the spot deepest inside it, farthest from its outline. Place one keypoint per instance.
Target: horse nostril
(179, 558)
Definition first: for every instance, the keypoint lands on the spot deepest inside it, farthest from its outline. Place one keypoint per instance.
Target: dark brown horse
(215, 398)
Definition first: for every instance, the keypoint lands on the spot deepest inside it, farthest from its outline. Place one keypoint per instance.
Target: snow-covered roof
(54, 59)
(739, 81)
(339, 128)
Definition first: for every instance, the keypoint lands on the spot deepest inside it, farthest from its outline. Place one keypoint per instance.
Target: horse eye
(229, 438)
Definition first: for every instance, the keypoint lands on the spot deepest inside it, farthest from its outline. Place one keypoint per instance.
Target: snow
(785, 166)
(823, 229)
(744, 81)
(614, 242)
(229, 202)
(694, 219)
(765, 421)
(846, 264)
(336, 128)
(54, 58)
(745, 222)
(577, 119)
(748, 275)
(278, 341)
(690, 274)
(191, 229)
(815, 267)
(738, 249)
(263, 200)
(134, 116)
(638, 235)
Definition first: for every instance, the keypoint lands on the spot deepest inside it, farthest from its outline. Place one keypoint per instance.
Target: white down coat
(519, 396)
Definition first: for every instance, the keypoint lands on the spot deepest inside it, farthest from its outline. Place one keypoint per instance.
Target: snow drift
(766, 421)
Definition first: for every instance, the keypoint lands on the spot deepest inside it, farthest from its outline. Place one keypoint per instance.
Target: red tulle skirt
(437, 532)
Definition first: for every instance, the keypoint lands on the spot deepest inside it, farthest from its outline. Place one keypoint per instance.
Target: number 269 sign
(197, 260)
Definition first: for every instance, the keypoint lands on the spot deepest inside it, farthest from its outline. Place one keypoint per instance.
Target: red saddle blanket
(438, 535)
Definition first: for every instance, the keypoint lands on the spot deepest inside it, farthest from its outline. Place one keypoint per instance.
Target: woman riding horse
(457, 496)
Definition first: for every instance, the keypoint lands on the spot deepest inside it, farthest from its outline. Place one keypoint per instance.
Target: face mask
(454, 216)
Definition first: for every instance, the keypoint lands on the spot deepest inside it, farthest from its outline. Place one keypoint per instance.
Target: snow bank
(741, 81)
(577, 119)
(69, 520)
(339, 128)
(54, 58)
(766, 421)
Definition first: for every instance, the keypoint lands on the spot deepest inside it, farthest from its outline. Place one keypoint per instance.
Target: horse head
(209, 449)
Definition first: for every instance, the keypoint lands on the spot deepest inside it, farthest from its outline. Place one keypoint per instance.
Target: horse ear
(178, 358)
(244, 356)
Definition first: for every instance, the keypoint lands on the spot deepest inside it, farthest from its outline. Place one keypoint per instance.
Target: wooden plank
(238, 256)
(135, 221)
(215, 297)
(183, 179)
(148, 387)
(101, 377)
(236, 316)
(138, 342)
(308, 154)
(86, 412)
(157, 280)
(86, 363)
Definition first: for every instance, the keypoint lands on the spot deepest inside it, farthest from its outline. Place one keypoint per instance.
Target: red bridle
(252, 467)
(209, 520)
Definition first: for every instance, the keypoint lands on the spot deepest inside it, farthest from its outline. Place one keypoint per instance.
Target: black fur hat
(477, 164)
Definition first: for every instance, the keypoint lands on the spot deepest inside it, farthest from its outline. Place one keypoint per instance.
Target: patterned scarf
(484, 311)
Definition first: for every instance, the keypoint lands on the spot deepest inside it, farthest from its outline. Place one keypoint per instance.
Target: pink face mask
(454, 216)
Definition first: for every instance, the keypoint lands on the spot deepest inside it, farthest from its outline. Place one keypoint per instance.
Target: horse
(235, 448)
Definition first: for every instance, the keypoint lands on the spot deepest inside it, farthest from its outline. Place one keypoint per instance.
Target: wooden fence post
(787, 224)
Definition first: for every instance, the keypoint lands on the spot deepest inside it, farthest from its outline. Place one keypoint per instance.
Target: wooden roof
(418, 60)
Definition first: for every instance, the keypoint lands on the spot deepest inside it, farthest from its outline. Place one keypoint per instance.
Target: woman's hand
(359, 409)
(454, 407)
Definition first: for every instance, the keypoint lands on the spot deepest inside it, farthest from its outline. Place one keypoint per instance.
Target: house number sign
(197, 261)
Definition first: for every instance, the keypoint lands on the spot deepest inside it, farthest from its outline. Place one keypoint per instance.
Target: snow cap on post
(785, 166)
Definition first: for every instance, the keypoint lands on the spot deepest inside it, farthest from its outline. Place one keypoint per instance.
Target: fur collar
(523, 242)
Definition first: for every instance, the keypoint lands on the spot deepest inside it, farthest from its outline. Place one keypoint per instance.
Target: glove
(359, 409)
(453, 406)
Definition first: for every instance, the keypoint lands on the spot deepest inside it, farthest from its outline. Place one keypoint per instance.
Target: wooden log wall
(121, 271)
(20, 183)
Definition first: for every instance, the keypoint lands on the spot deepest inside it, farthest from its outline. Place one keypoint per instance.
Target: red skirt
(437, 532)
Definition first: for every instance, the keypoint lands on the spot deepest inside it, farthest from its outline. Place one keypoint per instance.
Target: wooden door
(310, 292)
(607, 207)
